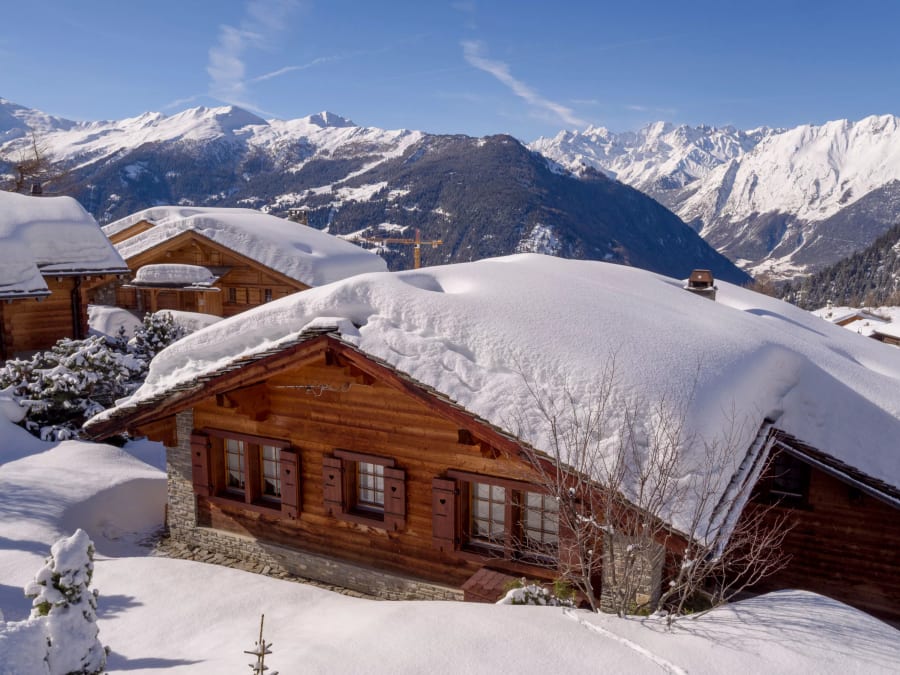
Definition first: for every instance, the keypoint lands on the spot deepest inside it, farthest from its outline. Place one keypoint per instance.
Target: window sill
(363, 518)
(269, 508)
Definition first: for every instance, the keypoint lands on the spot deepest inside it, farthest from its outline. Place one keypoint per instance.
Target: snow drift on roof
(476, 331)
(173, 273)
(297, 251)
(49, 235)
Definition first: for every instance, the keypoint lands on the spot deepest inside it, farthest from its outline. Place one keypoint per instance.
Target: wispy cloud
(473, 53)
(264, 21)
(290, 69)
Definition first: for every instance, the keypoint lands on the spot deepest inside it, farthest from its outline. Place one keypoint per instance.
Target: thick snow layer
(167, 274)
(297, 251)
(486, 333)
(49, 235)
(149, 608)
(106, 321)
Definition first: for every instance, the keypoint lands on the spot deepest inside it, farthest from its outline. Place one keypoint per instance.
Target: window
(540, 521)
(267, 295)
(257, 472)
(364, 489)
(236, 476)
(497, 517)
(270, 456)
(232, 295)
(487, 524)
(370, 486)
(786, 481)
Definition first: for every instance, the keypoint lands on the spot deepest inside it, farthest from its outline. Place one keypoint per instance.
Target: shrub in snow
(158, 332)
(61, 598)
(69, 383)
(524, 593)
(76, 379)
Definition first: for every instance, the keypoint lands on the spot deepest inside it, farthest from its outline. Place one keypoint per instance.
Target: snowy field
(158, 614)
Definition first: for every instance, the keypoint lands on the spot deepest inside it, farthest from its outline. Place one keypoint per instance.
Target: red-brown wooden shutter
(290, 483)
(200, 465)
(443, 513)
(394, 498)
(333, 485)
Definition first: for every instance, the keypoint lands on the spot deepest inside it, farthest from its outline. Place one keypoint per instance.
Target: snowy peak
(17, 121)
(771, 199)
(327, 119)
(657, 158)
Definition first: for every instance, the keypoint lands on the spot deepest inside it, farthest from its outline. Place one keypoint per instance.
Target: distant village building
(54, 260)
(879, 326)
(223, 261)
(382, 436)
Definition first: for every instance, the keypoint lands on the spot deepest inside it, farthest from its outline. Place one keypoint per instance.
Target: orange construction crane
(417, 244)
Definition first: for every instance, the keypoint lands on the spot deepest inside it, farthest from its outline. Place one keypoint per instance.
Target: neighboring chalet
(224, 261)
(54, 260)
(376, 432)
(883, 325)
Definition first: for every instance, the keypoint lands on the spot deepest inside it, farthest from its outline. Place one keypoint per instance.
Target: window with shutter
(365, 489)
(257, 471)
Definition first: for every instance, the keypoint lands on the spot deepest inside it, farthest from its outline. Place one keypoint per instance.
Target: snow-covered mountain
(787, 201)
(481, 196)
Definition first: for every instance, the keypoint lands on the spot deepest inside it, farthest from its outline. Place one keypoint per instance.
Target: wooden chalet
(319, 450)
(254, 258)
(54, 261)
(321, 455)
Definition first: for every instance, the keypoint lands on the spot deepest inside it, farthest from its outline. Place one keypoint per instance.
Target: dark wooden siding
(375, 419)
(845, 545)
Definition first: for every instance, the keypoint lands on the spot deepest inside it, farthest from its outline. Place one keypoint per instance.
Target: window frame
(786, 481)
(342, 492)
(253, 495)
(514, 546)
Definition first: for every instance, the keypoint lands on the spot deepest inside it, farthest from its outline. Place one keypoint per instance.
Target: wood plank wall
(366, 418)
(845, 545)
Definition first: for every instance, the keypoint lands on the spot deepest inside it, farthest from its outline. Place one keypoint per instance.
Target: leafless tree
(620, 477)
(33, 167)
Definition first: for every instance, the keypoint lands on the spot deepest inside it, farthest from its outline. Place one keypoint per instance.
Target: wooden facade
(37, 323)
(845, 536)
(243, 283)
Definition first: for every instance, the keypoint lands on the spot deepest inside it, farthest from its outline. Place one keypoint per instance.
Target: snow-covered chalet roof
(49, 236)
(300, 252)
(483, 333)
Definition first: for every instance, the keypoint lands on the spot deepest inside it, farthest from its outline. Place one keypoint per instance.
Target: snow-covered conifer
(61, 594)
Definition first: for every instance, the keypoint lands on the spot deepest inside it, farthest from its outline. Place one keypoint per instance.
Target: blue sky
(528, 68)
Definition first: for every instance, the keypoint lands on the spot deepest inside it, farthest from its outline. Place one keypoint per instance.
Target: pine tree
(61, 595)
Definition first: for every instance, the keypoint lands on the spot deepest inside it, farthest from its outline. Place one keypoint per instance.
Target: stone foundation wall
(271, 559)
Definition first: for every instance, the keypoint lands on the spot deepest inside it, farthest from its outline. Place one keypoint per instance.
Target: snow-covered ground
(160, 614)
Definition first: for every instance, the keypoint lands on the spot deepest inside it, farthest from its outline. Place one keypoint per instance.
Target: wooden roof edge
(875, 487)
(230, 375)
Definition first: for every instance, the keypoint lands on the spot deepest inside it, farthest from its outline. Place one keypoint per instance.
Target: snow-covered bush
(158, 331)
(524, 593)
(63, 601)
(76, 379)
(72, 381)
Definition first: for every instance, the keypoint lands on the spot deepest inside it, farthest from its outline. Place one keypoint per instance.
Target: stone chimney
(701, 283)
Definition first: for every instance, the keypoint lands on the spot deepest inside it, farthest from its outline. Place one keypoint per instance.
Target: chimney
(701, 283)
